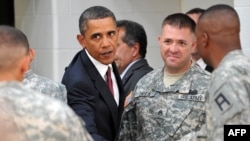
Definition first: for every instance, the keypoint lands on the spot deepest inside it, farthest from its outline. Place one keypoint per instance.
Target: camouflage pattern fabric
(45, 86)
(159, 113)
(228, 101)
(39, 117)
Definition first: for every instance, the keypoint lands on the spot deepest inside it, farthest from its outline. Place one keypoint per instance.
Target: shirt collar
(127, 68)
(101, 68)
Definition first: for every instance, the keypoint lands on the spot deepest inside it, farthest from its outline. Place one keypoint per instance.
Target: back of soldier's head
(134, 33)
(13, 45)
(218, 9)
(221, 17)
(179, 20)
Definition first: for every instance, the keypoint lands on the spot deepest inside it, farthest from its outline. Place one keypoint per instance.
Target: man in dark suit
(100, 105)
(130, 54)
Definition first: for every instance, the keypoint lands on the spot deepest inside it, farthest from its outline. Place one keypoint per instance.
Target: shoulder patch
(128, 99)
(225, 102)
(226, 106)
(222, 102)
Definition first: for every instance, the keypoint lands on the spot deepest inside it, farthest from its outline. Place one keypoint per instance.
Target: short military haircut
(221, 9)
(195, 11)
(134, 33)
(179, 20)
(12, 36)
(92, 13)
(13, 45)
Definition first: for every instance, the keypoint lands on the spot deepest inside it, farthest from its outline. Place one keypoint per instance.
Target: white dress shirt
(102, 69)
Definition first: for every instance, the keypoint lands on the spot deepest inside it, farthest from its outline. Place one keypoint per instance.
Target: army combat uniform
(228, 101)
(40, 117)
(159, 113)
(45, 86)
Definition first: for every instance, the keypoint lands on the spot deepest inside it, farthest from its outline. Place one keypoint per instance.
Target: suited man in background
(195, 14)
(98, 104)
(131, 52)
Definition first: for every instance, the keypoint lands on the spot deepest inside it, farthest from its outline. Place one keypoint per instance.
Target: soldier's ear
(23, 67)
(194, 45)
(205, 39)
(32, 54)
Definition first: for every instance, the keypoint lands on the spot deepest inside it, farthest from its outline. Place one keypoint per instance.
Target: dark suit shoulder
(134, 74)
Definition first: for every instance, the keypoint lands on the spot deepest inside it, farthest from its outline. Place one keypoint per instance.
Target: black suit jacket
(134, 74)
(89, 96)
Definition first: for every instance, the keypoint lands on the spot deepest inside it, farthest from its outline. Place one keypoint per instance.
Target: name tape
(197, 97)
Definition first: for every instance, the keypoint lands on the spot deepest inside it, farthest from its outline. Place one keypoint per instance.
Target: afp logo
(241, 132)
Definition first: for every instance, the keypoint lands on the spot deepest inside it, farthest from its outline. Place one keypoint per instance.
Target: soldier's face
(176, 46)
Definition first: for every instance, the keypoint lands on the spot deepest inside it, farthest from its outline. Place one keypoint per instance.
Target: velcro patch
(128, 99)
(222, 102)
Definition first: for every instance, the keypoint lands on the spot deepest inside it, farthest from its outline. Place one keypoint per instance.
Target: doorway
(7, 12)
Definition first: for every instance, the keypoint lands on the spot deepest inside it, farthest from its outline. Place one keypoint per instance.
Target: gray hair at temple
(134, 33)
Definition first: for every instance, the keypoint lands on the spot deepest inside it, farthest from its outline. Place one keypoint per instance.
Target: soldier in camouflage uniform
(39, 117)
(229, 89)
(43, 84)
(9, 130)
(33, 116)
(169, 103)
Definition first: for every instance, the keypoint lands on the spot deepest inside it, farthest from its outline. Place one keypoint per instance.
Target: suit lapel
(101, 86)
(130, 71)
(120, 87)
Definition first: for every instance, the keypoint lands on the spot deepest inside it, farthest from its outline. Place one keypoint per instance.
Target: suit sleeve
(81, 98)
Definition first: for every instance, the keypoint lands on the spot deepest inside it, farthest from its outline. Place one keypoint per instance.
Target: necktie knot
(109, 80)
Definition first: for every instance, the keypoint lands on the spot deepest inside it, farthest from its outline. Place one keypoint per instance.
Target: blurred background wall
(52, 26)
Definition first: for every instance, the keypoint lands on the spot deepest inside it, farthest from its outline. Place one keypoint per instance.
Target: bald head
(222, 19)
(217, 33)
